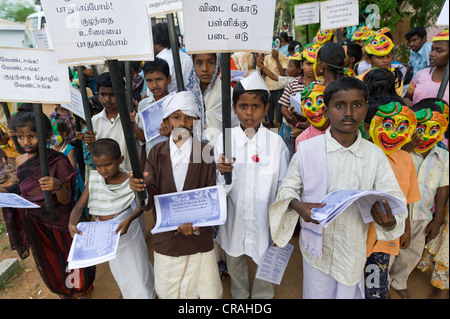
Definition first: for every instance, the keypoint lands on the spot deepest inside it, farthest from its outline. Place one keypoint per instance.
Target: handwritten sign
(76, 107)
(85, 32)
(337, 14)
(158, 7)
(33, 76)
(307, 13)
(228, 26)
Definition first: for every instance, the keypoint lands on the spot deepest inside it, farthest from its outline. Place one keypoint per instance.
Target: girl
(45, 231)
(329, 65)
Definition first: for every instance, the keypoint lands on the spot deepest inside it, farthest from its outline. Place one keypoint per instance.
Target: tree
(17, 10)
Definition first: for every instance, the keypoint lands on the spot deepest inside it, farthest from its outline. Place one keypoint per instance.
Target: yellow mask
(432, 125)
(361, 33)
(392, 127)
(312, 104)
(310, 52)
(379, 44)
(324, 36)
(444, 108)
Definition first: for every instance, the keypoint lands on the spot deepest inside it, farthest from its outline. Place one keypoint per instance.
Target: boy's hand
(123, 227)
(138, 184)
(304, 210)
(225, 166)
(187, 229)
(50, 184)
(416, 139)
(74, 230)
(432, 229)
(385, 220)
(89, 137)
(164, 129)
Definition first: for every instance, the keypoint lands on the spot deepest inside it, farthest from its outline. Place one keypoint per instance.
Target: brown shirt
(160, 181)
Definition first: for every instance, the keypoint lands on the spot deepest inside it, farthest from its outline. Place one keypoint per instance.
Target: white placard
(337, 14)
(42, 39)
(84, 32)
(228, 26)
(76, 107)
(33, 76)
(443, 17)
(158, 7)
(307, 13)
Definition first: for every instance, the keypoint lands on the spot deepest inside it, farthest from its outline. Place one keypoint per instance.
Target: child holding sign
(184, 260)
(46, 231)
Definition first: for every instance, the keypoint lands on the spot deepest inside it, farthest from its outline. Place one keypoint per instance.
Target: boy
(390, 125)
(157, 76)
(185, 262)
(431, 163)
(261, 159)
(334, 257)
(419, 49)
(109, 197)
(353, 55)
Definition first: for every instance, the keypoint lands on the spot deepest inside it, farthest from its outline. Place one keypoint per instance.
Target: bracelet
(57, 190)
(390, 228)
(296, 125)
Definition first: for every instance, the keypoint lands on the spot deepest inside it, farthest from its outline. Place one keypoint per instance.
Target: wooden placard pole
(8, 116)
(175, 52)
(42, 147)
(444, 84)
(85, 99)
(128, 129)
(226, 110)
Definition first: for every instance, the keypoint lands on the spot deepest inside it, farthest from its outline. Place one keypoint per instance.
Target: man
(420, 49)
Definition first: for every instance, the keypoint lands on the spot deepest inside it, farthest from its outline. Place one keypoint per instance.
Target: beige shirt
(271, 64)
(362, 166)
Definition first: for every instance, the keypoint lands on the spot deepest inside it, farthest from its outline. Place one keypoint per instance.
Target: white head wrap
(182, 101)
(254, 82)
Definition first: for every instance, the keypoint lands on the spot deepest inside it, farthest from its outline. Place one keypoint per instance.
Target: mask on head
(310, 52)
(312, 104)
(392, 127)
(432, 125)
(361, 33)
(379, 44)
(324, 36)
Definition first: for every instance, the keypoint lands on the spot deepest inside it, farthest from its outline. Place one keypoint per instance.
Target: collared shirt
(271, 64)
(432, 173)
(113, 129)
(362, 166)
(421, 59)
(261, 163)
(180, 158)
(186, 67)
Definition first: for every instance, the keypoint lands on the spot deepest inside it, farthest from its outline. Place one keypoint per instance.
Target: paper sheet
(274, 263)
(15, 201)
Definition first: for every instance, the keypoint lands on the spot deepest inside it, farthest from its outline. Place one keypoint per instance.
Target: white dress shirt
(252, 191)
(180, 158)
(362, 166)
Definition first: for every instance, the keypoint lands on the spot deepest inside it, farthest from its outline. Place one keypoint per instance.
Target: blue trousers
(377, 269)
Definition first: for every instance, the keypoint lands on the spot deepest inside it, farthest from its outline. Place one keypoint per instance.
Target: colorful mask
(383, 31)
(392, 127)
(324, 36)
(310, 52)
(296, 57)
(56, 139)
(379, 44)
(312, 104)
(432, 125)
(443, 36)
(361, 34)
(444, 107)
(349, 72)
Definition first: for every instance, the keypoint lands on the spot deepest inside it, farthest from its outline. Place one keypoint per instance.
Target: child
(329, 64)
(260, 159)
(313, 110)
(67, 117)
(109, 197)
(157, 76)
(390, 125)
(46, 231)
(431, 164)
(353, 56)
(334, 257)
(184, 261)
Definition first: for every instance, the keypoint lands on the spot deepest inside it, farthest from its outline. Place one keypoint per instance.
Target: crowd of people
(367, 122)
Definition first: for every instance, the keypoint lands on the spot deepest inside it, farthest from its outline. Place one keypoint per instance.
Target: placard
(228, 26)
(307, 13)
(76, 107)
(337, 14)
(159, 7)
(33, 76)
(84, 32)
(443, 17)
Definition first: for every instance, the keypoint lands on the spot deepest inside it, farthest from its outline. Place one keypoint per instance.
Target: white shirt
(252, 191)
(362, 166)
(180, 158)
(107, 129)
(186, 67)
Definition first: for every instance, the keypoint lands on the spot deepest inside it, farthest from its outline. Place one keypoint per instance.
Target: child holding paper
(184, 260)
(109, 197)
(260, 160)
(334, 257)
(45, 231)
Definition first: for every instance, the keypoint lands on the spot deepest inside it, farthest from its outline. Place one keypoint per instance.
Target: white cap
(182, 101)
(254, 82)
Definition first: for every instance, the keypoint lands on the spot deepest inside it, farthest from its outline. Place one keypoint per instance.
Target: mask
(432, 125)
(361, 33)
(310, 52)
(392, 127)
(349, 72)
(312, 105)
(444, 107)
(379, 44)
(324, 36)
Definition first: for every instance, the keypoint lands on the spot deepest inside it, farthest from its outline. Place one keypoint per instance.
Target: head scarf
(182, 101)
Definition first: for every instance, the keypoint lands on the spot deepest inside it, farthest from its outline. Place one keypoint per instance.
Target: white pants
(318, 285)
(187, 277)
(132, 268)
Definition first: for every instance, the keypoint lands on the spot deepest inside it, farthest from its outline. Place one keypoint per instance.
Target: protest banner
(159, 7)
(33, 76)
(83, 32)
(307, 13)
(336, 14)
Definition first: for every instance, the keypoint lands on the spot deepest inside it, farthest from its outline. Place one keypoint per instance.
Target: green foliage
(15, 10)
